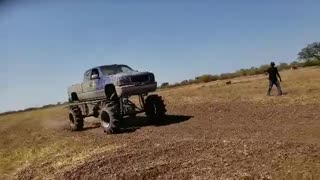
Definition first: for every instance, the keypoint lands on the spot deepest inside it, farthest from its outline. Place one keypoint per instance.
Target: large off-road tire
(75, 118)
(155, 108)
(110, 118)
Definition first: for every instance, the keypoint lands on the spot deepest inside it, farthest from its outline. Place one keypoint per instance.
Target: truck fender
(74, 96)
(110, 92)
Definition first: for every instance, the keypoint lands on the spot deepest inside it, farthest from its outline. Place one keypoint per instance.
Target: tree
(312, 51)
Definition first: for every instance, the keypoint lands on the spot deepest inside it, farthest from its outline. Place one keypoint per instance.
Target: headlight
(124, 81)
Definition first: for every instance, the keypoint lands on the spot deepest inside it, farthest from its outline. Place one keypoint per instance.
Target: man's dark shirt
(273, 72)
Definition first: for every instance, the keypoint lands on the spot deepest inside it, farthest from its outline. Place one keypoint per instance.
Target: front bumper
(131, 90)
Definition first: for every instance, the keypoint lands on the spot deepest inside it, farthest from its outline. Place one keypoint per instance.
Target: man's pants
(277, 84)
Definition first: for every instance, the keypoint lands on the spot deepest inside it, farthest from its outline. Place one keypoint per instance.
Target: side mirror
(94, 76)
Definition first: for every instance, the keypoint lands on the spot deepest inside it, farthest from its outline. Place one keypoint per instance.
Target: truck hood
(132, 73)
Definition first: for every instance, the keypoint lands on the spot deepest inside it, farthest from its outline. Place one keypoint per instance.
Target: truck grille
(138, 79)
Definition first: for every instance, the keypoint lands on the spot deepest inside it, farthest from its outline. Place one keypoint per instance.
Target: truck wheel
(155, 108)
(110, 116)
(76, 118)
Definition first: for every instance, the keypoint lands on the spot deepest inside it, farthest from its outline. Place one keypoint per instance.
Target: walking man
(273, 78)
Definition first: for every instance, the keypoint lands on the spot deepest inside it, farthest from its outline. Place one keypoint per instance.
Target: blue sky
(47, 45)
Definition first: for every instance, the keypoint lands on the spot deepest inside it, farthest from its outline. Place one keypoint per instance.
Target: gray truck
(113, 84)
(126, 81)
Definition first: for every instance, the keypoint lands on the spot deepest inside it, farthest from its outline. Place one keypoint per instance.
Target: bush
(242, 72)
(207, 78)
(164, 85)
(283, 66)
(225, 76)
(186, 82)
(311, 63)
(294, 63)
(264, 67)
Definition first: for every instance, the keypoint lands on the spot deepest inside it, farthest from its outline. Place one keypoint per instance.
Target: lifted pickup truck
(126, 81)
(113, 84)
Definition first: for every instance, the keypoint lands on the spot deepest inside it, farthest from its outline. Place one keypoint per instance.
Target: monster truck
(106, 91)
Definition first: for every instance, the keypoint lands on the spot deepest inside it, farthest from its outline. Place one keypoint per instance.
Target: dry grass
(39, 138)
(301, 86)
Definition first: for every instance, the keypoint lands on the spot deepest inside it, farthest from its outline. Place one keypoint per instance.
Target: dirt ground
(212, 131)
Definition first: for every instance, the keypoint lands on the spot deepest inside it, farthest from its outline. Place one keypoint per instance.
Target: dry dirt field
(213, 131)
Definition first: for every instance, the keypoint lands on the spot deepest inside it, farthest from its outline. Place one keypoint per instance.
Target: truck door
(94, 78)
(86, 83)
(93, 84)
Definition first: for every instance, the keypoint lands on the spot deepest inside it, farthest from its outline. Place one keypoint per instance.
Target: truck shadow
(132, 124)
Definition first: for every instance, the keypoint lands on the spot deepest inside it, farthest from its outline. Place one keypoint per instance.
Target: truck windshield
(114, 69)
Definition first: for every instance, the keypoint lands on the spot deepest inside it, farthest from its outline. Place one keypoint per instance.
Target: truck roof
(107, 65)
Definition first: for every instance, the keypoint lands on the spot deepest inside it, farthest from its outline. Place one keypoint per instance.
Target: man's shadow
(129, 124)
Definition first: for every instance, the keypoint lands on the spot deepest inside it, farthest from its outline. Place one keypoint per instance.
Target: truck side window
(94, 72)
(87, 76)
